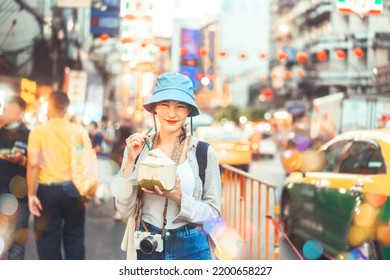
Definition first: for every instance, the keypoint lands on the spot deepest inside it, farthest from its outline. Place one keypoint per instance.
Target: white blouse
(153, 208)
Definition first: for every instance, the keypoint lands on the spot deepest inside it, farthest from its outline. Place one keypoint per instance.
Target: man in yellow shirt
(53, 199)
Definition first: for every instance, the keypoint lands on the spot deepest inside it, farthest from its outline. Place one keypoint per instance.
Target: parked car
(262, 145)
(229, 143)
(203, 119)
(343, 200)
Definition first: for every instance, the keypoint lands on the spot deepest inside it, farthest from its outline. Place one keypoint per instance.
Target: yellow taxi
(339, 196)
(230, 144)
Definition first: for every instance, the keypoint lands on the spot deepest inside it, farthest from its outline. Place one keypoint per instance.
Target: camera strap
(178, 149)
(139, 217)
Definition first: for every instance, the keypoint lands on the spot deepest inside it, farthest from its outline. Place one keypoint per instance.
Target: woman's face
(172, 114)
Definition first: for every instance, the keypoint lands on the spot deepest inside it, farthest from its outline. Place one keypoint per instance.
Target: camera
(148, 242)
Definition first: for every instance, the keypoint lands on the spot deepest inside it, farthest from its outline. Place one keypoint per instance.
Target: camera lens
(148, 245)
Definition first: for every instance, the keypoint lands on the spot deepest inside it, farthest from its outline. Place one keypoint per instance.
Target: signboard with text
(360, 7)
(73, 3)
(77, 87)
(105, 22)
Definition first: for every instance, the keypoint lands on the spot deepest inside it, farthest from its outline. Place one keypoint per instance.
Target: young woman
(177, 215)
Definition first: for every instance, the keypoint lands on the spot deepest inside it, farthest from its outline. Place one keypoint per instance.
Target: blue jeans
(188, 242)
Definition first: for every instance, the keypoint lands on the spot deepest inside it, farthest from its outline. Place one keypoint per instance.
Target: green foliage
(254, 113)
(233, 113)
(230, 112)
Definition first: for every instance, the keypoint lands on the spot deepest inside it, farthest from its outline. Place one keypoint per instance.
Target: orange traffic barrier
(251, 208)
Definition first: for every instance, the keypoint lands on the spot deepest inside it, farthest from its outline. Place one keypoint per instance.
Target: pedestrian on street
(96, 137)
(58, 208)
(177, 215)
(13, 157)
(108, 133)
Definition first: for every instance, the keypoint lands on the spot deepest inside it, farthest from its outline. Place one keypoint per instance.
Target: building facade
(328, 51)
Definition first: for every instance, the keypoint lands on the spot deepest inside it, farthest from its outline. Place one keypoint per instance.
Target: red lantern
(203, 51)
(262, 55)
(163, 48)
(184, 39)
(282, 55)
(183, 51)
(358, 52)
(322, 55)
(267, 93)
(301, 57)
(287, 75)
(222, 53)
(104, 37)
(129, 17)
(198, 76)
(242, 55)
(127, 40)
(340, 54)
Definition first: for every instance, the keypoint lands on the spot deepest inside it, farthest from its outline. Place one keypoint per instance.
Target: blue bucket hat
(173, 86)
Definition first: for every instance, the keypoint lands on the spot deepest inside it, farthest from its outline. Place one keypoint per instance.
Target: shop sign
(107, 22)
(77, 87)
(73, 3)
(360, 7)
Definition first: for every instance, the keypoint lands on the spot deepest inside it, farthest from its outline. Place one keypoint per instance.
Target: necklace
(177, 150)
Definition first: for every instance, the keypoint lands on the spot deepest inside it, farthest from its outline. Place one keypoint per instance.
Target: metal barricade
(251, 206)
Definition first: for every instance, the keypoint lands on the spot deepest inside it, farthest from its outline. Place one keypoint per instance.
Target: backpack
(201, 156)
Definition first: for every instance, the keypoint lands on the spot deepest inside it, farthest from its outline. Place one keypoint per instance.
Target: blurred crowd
(107, 139)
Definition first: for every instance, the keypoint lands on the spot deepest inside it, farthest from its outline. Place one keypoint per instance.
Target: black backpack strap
(201, 156)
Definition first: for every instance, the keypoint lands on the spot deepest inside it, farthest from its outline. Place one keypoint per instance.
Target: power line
(8, 33)
(6, 16)
(3, 7)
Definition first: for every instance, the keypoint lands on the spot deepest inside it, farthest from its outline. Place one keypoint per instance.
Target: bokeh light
(120, 188)
(312, 160)
(292, 160)
(2, 245)
(302, 142)
(366, 216)
(4, 224)
(250, 230)
(18, 186)
(107, 168)
(229, 245)
(383, 234)
(8, 204)
(41, 224)
(342, 256)
(312, 249)
(357, 235)
(214, 226)
(226, 250)
(374, 199)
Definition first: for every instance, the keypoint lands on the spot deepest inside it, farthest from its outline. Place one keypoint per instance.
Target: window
(363, 158)
(334, 154)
